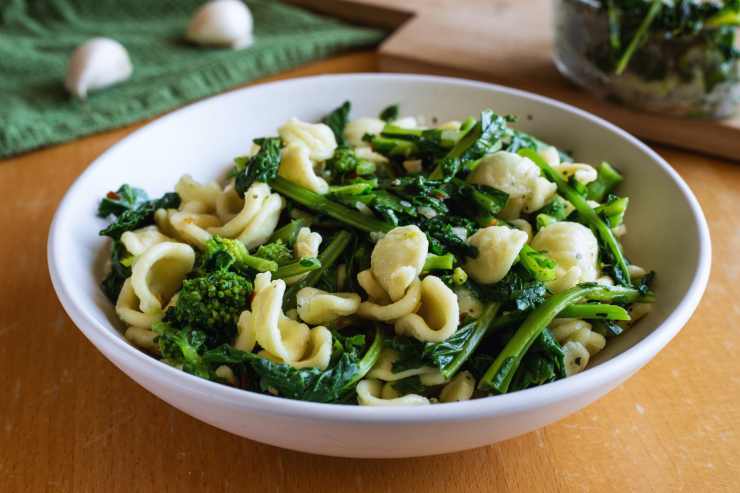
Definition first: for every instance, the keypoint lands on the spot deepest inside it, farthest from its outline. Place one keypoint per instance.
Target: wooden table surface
(71, 422)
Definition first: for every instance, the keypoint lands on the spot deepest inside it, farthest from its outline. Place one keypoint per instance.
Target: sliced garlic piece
(95, 64)
(222, 23)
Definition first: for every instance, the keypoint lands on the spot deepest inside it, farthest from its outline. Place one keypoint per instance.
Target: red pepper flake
(113, 195)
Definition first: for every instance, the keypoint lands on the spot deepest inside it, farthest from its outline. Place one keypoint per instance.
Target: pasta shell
(158, 274)
(438, 316)
(398, 258)
(319, 307)
(498, 248)
(369, 394)
(317, 138)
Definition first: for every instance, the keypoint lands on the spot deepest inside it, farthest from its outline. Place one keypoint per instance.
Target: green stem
(305, 264)
(438, 262)
(258, 263)
(588, 215)
(321, 204)
(638, 37)
(499, 375)
(726, 17)
(288, 233)
(539, 264)
(367, 362)
(606, 180)
(595, 311)
(482, 326)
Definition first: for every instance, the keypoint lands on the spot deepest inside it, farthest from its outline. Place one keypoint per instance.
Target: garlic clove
(95, 64)
(221, 23)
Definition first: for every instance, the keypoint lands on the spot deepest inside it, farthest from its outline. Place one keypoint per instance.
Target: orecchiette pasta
(576, 357)
(398, 258)
(369, 155)
(192, 227)
(575, 249)
(438, 315)
(297, 167)
(392, 311)
(460, 388)
(356, 129)
(137, 241)
(374, 290)
(317, 138)
(261, 227)
(190, 190)
(317, 352)
(226, 374)
(319, 307)
(228, 204)
(572, 329)
(158, 273)
(583, 173)
(247, 335)
(383, 368)
(523, 225)
(143, 338)
(127, 308)
(369, 394)
(283, 339)
(519, 177)
(468, 304)
(498, 248)
(306, 245)
(254, 200)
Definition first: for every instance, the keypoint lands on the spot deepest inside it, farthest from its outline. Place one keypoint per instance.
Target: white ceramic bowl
(667, 232)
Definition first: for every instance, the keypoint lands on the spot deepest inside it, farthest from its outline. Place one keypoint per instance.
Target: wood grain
(71, 422)
(510, 42)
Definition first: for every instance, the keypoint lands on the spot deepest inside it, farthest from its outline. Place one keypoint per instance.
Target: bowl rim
(620, 366)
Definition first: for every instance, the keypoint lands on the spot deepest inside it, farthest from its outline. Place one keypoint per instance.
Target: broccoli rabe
(448, 355)
(276, 251)
(212, 303)
(337, 120)
(544, 362)
(182, 347)
(124, 199)
(390, 113)
(120, 271)
(518, 290)
(261, 167)
(539, 264)
(224, 253)
(484, 138)
(611, 249)
(334, 384)
(606, 179)
(138, 217)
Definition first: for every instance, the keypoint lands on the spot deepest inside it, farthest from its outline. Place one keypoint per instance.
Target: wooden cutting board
(509, 42)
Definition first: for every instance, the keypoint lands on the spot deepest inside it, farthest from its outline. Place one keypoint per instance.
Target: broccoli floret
(212, 303)
(344, 161)
(277, 251)
(225, 254)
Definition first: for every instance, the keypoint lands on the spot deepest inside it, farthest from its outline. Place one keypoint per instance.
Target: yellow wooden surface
(71, 422)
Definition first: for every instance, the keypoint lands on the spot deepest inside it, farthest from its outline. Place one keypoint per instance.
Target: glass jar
(675, 68)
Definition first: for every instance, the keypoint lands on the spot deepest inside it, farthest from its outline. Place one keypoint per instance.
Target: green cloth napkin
(38, 36)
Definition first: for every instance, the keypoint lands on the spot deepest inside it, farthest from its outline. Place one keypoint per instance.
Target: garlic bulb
(95, 64)
(221, 23)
